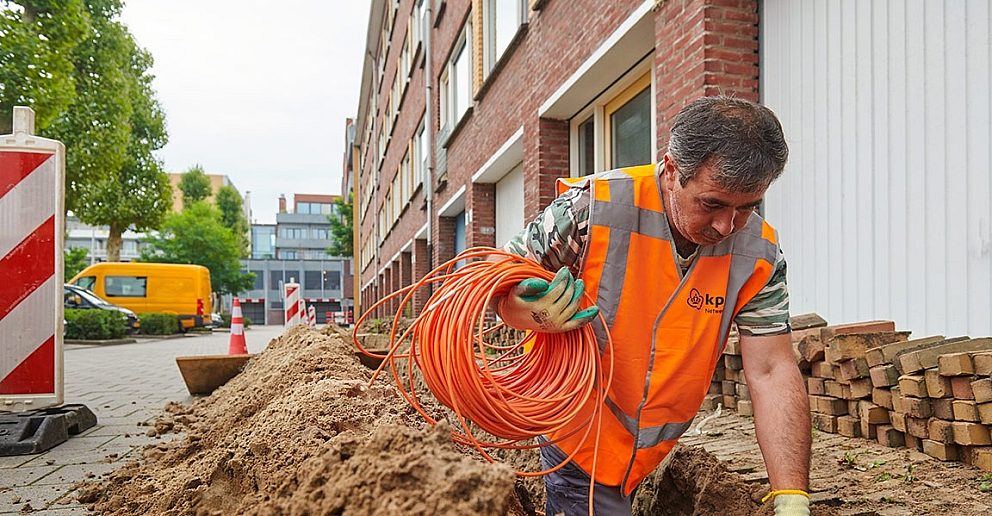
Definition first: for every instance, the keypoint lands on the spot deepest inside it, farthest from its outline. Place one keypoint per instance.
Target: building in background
(295, 249)
(94, 240)
(471, 109)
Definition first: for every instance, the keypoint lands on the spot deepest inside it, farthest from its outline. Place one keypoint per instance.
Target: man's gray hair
(742, 140)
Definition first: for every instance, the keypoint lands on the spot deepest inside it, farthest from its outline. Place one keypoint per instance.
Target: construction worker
(673, 254)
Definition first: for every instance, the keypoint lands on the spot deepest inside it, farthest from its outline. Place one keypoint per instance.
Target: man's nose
(723, 222)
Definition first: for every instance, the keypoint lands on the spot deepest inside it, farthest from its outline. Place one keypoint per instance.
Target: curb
(159, 337)
(111, 342)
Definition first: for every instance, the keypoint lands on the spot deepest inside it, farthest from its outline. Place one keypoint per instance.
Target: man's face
(702, 211)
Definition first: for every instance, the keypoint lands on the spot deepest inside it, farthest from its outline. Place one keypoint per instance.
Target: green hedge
(93, 324)
(158, 323)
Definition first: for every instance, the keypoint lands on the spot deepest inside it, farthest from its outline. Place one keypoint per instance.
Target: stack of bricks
(868, 380)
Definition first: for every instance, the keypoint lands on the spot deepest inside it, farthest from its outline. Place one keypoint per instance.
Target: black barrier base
(35, 431)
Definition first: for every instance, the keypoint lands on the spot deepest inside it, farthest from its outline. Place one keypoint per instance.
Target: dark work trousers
(567, 490)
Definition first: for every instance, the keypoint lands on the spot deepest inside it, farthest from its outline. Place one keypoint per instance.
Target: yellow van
(178, 289)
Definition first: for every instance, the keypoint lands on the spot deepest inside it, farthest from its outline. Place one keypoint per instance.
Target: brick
(966, 410)
(873, 414)
(943, 408)
(744, 408)
(816, 386)
(941, 430)
(828, 405)
(940, 451)
(868, 430)
(728, 388)
(985, 413)
(855, 345)
(849, 426)
(859, 327)
(715, 388)
(811, 348)
(825, 423)
(917, 427)
(837, 376)
(913, 385)
(897, 399)
(854, 369)
(799, 335)
(971, 434)
(710, 401)
(854, 408)
(822, 370)
(955, 364)
(913, 442)
(861, 388)
(888, 436)
(928, 357)
(961, 387)
(983, 364)
(885, 375)
(886, 353)
(882, 398)
(837, 389)
(898, 421)
(981, 458)
(806, 321)
(916, 407)
(730, 402)
(735, 362)
(937, 386)
(733, 375)
(982, 390)
(733, 347)
(742, 392)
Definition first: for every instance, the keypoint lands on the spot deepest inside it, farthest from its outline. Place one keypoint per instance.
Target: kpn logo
(712, 304)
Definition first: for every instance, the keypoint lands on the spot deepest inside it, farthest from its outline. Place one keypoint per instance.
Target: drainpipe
(429, 134)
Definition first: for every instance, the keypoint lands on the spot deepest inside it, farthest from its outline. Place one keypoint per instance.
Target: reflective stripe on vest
(628, 264)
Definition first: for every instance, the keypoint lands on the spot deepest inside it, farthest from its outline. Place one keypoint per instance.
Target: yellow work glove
(792, 505)
(536, 305)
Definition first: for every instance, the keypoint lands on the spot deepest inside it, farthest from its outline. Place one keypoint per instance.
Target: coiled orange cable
(510, 394)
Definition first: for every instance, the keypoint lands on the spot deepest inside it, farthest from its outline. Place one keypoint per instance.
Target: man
(673, 255)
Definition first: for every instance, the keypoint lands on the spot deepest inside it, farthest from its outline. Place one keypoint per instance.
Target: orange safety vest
(668, 329)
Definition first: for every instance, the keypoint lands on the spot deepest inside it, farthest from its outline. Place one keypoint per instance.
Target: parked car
(180, 289)
(78, 297)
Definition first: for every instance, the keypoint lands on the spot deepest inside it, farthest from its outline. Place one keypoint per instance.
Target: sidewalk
(124, 385)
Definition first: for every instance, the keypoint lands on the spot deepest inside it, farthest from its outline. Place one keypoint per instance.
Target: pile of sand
(300, 431)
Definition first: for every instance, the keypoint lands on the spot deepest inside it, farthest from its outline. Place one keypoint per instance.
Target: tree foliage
(194, 185)
(342, 229)
(196, 235)
(37, 42)
(74, 262)
(232, 215)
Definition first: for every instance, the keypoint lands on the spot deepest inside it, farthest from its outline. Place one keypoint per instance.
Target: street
(123, 385)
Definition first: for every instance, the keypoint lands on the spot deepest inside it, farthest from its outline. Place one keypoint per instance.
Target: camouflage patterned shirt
(555, 239)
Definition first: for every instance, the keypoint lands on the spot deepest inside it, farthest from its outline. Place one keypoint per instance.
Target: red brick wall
(420, 261)
(444, 240)
(481, 231)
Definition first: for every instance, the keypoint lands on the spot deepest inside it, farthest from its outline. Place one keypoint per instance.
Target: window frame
(490, 57)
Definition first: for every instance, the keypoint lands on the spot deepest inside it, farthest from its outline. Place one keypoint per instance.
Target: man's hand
(536, 305)
(791, 505)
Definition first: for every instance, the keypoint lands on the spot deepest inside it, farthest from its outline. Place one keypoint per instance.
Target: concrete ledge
(158, 337)
(111, 342)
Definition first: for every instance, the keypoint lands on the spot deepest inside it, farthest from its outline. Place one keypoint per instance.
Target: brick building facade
(520, 93)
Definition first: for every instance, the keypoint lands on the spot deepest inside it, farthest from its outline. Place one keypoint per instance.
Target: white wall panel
(510, 205)
(885, 208)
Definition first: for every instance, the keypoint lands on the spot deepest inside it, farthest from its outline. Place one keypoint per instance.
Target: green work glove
(536, 305)
(791, 505)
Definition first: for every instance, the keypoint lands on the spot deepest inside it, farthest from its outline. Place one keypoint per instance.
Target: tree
(37, 41)
(74, 262)
(194, 185)
(196, 235)
(342, 230)
(138, 195)
(232, 215)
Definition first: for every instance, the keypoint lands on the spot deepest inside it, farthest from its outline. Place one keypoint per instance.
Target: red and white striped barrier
(304, 318)
(312, 316)
(292, 303)
(32, 175)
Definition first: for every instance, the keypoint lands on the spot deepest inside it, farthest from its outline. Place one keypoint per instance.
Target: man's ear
(669, 173)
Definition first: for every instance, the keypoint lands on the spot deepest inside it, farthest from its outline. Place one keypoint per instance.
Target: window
(303, 207)
(502, 19)
(87, 282)
(319, 234)
(276, 280)
(456, 87)
(422, 154)
(617, 129)
(259, 280)
(125, 286)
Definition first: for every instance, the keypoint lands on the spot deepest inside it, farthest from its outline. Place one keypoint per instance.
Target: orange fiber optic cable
(509, 393)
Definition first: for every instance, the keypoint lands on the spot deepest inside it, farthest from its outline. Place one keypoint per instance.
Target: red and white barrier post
(312, 316)
(32, 183)
(292, 303)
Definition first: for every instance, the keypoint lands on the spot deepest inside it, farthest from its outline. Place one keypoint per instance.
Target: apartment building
(471, 109)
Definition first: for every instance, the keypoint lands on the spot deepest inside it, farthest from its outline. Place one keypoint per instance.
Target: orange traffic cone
(238, 346)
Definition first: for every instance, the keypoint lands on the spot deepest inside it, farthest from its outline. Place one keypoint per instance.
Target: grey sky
(256, 90)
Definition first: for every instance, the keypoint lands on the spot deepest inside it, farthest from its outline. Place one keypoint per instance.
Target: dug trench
(302, 431)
